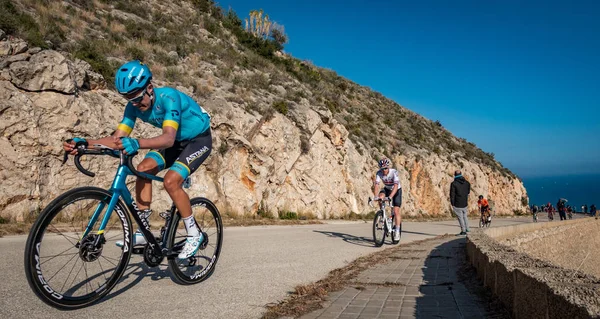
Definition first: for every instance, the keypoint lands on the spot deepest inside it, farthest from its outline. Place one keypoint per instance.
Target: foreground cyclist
(391, 188)
(182, 147)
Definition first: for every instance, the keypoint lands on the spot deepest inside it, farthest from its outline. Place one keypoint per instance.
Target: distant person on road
(550, 209)
(459, 198)
(585, 209)
(484, 208)
(391, 188)
(593, 210)
(570, 211)
(534, 212)
(560, 205)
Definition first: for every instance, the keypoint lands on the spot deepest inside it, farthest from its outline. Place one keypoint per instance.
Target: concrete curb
(529, 287)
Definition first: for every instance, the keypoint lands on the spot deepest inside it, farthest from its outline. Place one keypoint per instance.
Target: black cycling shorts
(397, 200)
(184, 157)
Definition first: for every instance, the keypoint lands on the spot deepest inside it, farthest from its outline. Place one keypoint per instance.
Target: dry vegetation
(172, 38)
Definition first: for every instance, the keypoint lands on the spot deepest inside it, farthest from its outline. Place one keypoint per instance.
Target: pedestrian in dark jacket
(459, 198)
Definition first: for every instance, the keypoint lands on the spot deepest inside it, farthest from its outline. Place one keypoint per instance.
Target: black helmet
(480, 196)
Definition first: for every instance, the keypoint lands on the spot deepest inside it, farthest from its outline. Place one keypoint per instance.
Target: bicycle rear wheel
(202, 265)
(65, 270)
(379, 229)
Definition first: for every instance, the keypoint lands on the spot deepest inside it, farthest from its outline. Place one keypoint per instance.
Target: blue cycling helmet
(131, 77)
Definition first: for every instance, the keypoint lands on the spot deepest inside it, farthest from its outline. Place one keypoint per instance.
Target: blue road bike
(72, 258)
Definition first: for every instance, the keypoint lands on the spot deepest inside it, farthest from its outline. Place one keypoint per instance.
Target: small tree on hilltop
(260, 26)
(278, 34)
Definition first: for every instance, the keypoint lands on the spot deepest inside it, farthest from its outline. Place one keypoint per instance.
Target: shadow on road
(138, 271)
(361, 241)
(364, 241)
(450, 288)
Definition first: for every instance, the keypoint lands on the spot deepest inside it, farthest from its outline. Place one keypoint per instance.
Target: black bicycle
(72, 258)
(382, 222)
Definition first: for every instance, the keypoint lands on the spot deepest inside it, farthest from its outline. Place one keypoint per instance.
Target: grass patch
(94, 52)
(14, 228)
(15, 22)
(281, 107)
(288, 215)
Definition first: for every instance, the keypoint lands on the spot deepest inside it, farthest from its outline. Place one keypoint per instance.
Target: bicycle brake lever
(65, 158)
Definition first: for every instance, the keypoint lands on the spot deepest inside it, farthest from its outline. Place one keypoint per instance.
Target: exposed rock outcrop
(303, 161)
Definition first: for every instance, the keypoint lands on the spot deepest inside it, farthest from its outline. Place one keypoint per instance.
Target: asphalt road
(258, 265)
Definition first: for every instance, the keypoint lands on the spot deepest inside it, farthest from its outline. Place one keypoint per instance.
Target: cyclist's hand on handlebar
(70, 146)
(129, 144)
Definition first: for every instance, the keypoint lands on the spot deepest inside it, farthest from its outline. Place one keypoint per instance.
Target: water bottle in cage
(187, 183)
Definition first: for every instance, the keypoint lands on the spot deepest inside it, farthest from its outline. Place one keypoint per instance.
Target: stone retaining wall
(529, 287)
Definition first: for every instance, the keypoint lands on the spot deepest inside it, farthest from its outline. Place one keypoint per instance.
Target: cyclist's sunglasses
(138, 98)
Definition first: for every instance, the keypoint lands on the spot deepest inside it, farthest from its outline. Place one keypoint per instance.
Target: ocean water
(577, 189)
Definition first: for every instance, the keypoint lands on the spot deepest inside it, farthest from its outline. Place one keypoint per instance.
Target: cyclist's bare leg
(143, 187)
(181, 199)
(398, 217)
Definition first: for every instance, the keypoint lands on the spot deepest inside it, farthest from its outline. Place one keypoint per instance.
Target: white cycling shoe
(396, 235)
(138, 240)
(192, 244)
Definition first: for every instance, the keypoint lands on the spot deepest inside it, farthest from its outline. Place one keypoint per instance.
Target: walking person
(459, 197)
(560, 205)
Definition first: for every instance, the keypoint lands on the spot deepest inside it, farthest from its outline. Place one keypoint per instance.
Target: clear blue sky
(517, 78)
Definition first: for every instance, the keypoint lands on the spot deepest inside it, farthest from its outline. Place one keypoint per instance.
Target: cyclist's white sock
(191, 227)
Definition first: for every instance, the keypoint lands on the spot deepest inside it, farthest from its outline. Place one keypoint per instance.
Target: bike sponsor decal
(145, 223)
(207, 269)
(38, 270)
(196, 154)
(125, 228)
(142, 217)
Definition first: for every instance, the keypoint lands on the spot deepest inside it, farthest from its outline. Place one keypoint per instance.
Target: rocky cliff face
(302, 161)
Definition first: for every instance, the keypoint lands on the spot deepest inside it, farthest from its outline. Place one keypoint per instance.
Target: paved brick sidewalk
(417, 282)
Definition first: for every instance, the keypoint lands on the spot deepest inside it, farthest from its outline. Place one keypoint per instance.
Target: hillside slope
(288, 136)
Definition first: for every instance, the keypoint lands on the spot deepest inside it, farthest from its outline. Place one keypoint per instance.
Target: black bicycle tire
(378, 243)
(176, 273)
(36, 280)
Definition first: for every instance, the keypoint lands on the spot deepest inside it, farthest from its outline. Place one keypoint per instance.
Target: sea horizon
(578, 189)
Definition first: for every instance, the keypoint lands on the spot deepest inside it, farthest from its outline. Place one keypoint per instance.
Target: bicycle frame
(119, 190)
(382, 207)
(388, 222)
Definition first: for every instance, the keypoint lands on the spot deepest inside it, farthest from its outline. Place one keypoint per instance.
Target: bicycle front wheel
(67, 270)
(202, 265)
(379, 229)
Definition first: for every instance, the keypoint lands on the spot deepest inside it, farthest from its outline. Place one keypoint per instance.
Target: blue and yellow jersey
(170, 108)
